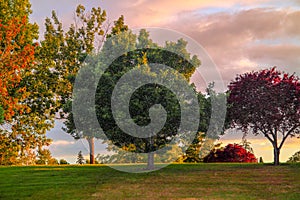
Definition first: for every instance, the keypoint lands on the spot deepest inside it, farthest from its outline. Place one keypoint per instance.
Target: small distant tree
(53, 161)
(63, 162)
(192, 153)
(87, 161)
(45, 158)
(80, 158)
(247, 145)
(266, 102)
(231, 153)
(294, 158)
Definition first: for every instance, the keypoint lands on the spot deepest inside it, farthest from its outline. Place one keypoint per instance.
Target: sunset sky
(239, 35)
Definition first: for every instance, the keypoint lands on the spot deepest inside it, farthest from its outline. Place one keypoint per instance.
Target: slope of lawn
(178, 181)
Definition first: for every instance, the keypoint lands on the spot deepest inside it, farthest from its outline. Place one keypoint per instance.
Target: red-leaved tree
(266, 102)
(231, 153)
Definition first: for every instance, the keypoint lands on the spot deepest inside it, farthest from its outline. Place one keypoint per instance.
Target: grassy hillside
(181, 181)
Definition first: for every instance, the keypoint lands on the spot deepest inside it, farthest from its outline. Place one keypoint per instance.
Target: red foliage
(266, 102)
(231, 153)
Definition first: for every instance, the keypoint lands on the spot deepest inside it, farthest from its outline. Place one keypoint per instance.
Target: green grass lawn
(178, 181)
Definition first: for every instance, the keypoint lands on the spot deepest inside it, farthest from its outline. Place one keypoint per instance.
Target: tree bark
(276, 155)
(92, 149)
(150, 164)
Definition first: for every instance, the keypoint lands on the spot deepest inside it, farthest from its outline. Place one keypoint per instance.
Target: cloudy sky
(239, 36)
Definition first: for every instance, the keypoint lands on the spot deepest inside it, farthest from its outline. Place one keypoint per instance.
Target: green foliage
(247, 145)
(17, 9)
(121, 155)
(204, 140)
(119, 27)
(171, 154)
(8, 150)
(144, 40)
(192, 154)
(155, 93)
(87, 161)
(126, 42)
(45, 158)
(65, 52)
(1, 115)
(127, 155)
(294, 158)
(63, 162)
(25, 128)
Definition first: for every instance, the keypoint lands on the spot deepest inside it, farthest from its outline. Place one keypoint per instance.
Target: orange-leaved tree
(26, 88)
(15, 56)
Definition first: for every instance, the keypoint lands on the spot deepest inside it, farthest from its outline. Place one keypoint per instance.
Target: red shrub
(231, 153)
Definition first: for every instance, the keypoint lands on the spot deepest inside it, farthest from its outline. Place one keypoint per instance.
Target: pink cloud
(246, 40)
(239, 40)
(157, 12)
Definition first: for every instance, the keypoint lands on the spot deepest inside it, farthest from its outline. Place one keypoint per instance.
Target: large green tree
(86, 75)
(140, 52)
(121, 39)
(65, 52)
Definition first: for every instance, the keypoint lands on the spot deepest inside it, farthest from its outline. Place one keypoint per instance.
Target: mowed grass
(178, 181)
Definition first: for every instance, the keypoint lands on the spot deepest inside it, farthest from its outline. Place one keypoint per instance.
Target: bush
(231, 153)
(63, 162)
(295, 158)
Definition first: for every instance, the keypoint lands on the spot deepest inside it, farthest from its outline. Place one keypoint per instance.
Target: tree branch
(266, 135)
(287, 135)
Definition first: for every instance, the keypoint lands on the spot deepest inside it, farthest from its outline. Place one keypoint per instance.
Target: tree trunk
(276, 156)
(150, 164)
(92, 149)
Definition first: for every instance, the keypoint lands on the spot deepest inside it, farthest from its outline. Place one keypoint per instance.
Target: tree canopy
(136, 60)
(266, 102)
(65, 52)
(22, 98)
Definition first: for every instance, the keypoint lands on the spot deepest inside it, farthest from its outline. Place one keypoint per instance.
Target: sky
(239, 36)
